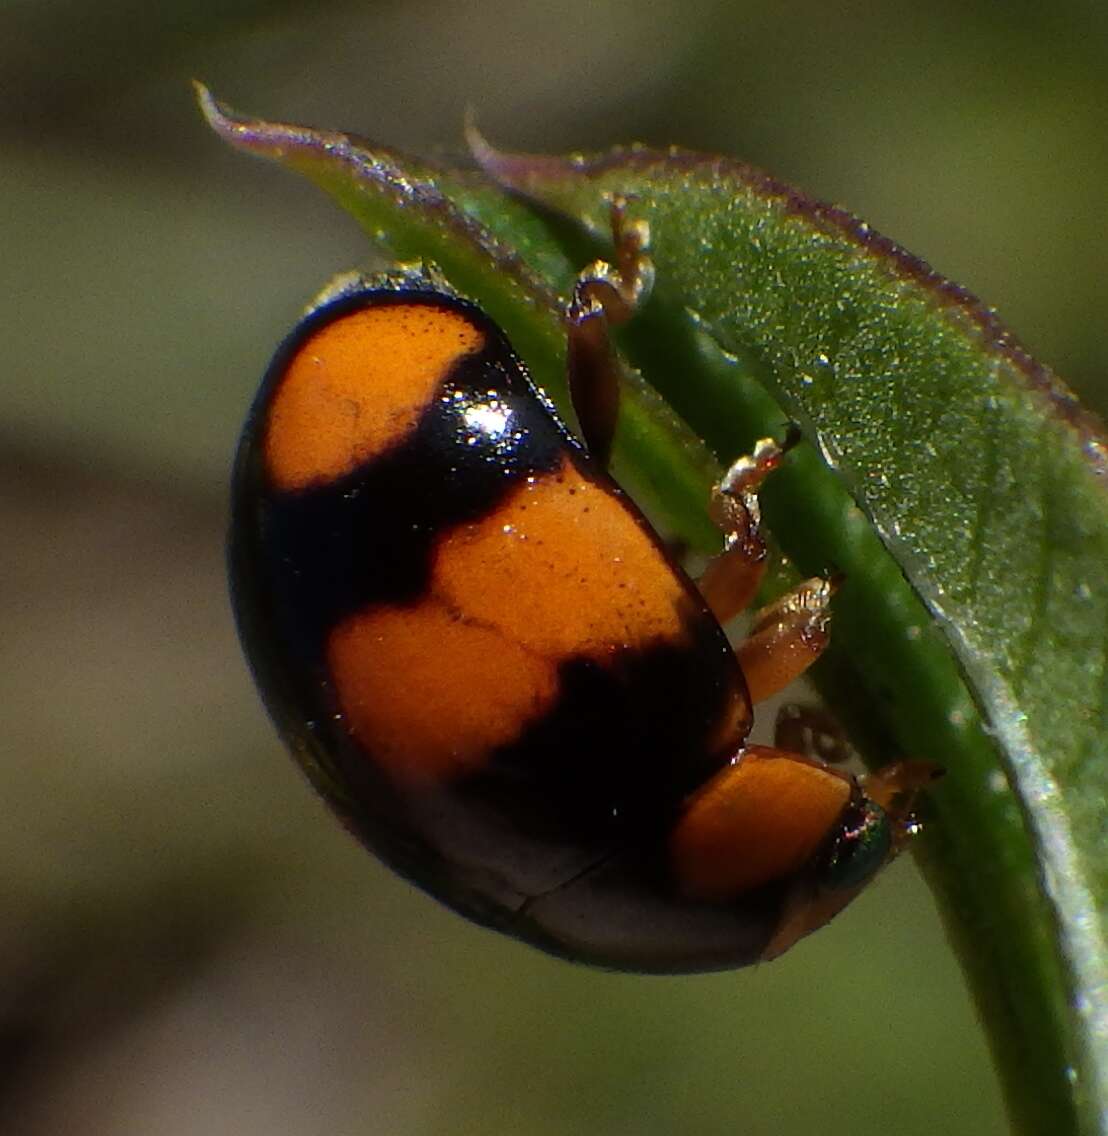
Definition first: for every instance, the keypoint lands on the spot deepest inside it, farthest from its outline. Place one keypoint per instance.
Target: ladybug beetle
(493, 668)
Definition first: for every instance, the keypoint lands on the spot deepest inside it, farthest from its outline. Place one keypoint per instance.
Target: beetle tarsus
(605, 295)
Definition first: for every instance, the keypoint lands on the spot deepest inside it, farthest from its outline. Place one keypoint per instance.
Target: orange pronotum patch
(357, 386)
(755, 821)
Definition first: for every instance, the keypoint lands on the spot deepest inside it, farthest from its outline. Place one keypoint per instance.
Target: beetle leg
(813, 732)
(605, 295)
(895, 788)
(731, 579)
(787, 637)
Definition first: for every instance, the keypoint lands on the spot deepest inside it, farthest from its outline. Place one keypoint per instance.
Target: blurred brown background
(189, 943)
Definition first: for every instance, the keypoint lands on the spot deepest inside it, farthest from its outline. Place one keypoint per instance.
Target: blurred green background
(190, 943)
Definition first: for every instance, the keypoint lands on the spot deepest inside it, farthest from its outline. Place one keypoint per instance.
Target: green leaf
(987, 488)
(951, 479)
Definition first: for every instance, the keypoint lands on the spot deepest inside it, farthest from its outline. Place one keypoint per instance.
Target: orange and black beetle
(492, 667)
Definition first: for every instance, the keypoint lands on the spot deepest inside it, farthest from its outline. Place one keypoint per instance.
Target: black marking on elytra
(328, 551)
(626, 741)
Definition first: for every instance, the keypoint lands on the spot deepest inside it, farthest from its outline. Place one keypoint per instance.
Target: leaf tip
(484, 153)
(217, 116)
(515, 171)
(267, 139)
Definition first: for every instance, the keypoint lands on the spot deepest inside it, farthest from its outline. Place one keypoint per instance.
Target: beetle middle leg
(605, 295)
(732, 578)
(789, 634)
(787, 637)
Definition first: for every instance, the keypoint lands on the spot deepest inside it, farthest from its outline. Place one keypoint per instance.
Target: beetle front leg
(605, 295)
(895, 788)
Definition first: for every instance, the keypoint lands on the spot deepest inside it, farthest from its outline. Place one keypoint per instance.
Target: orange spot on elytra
(560, 568)
(357, 386)
(429, 695)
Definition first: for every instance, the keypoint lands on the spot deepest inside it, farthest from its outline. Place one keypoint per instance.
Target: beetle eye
(861, 848)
